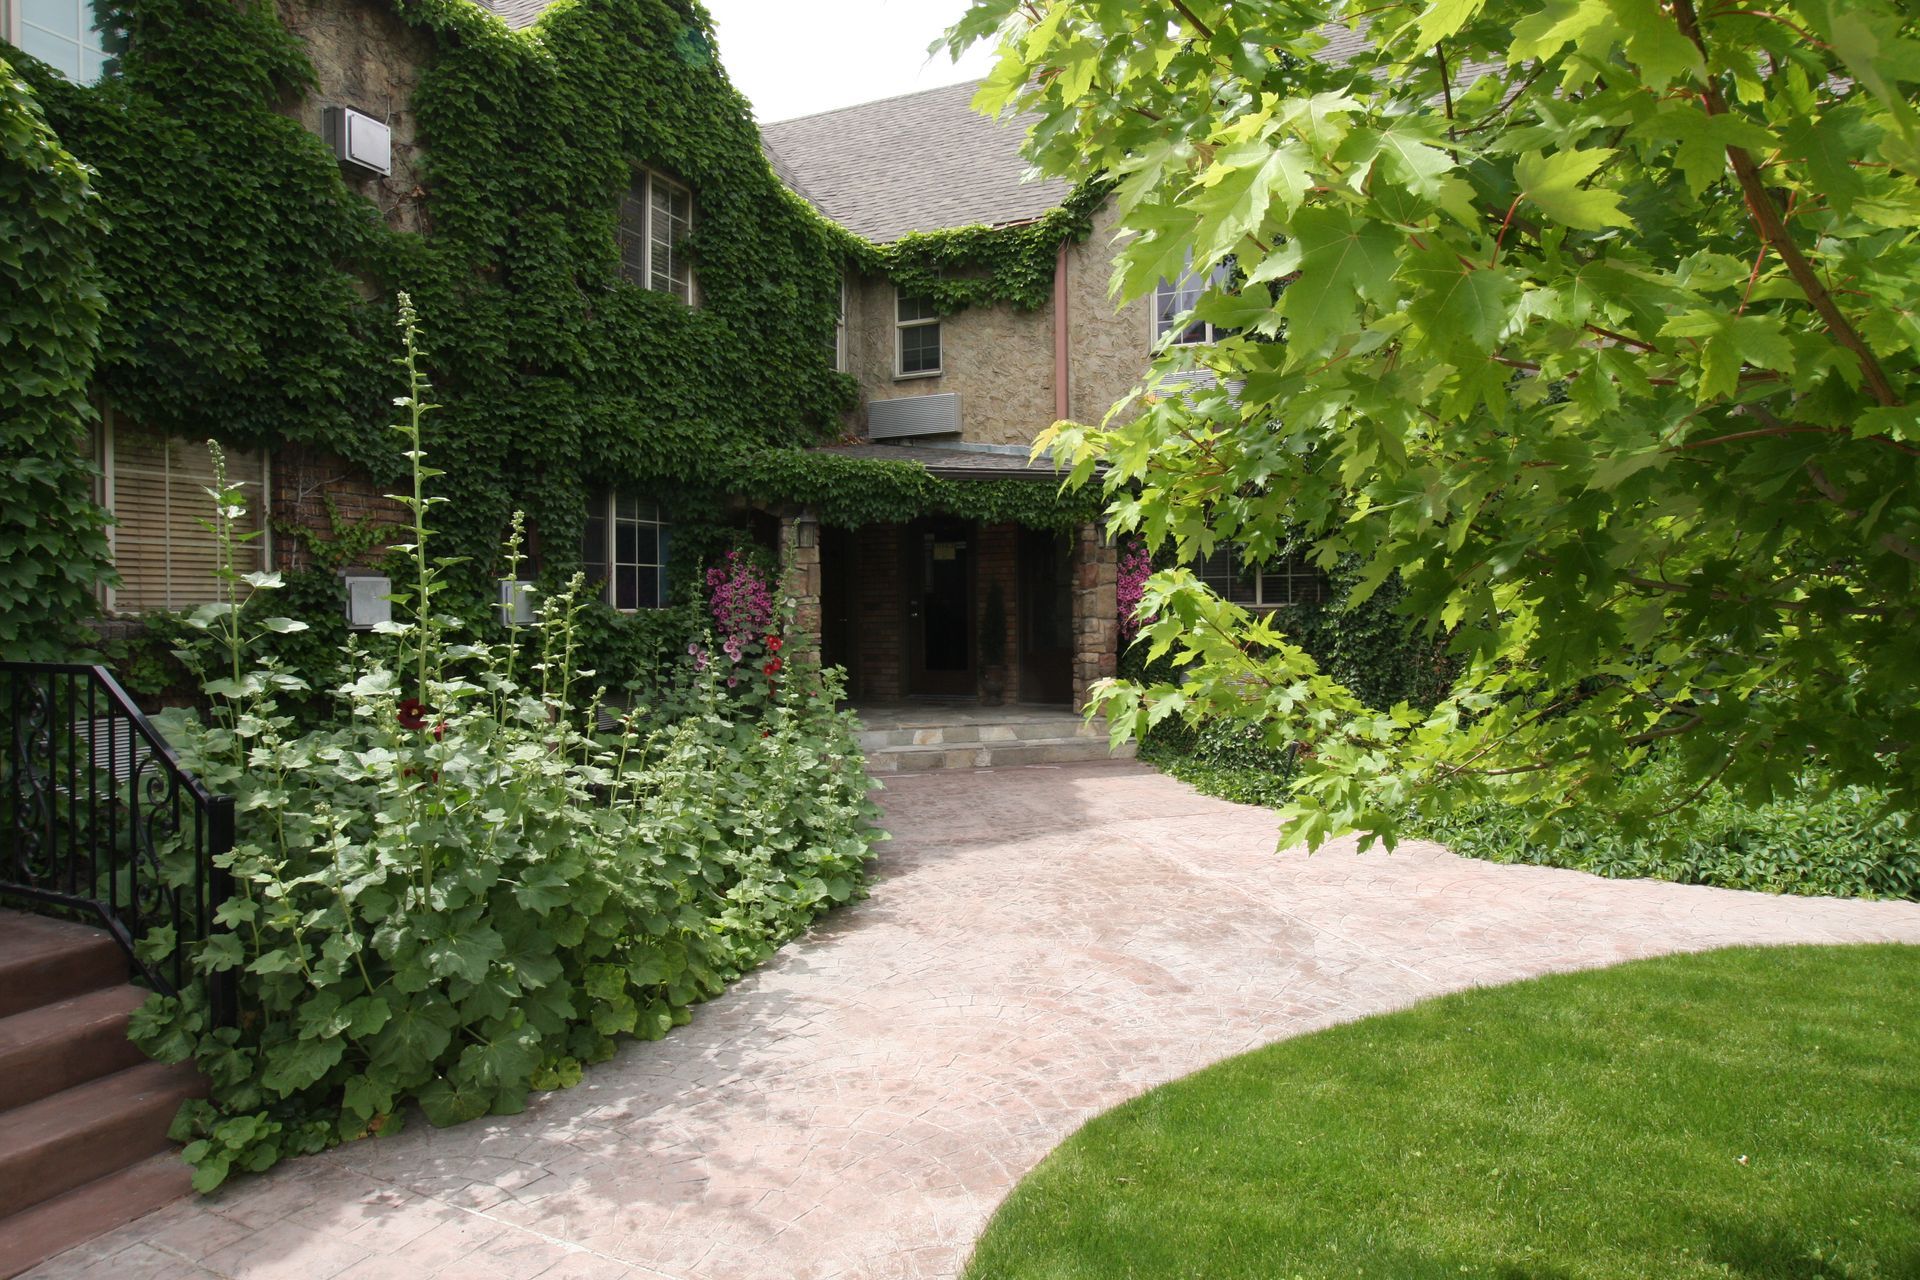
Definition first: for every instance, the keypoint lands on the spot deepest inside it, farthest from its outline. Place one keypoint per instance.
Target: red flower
(772, 667)
(440, 731)
(412, 714)
(773, 644)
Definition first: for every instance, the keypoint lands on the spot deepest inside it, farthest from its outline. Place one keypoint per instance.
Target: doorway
(938, 573)
(1046, 616)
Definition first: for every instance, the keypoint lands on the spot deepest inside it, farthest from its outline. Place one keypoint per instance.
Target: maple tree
(1594, 321)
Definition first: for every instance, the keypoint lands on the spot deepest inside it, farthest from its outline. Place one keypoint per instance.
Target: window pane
(61, 54)
(626, 588)
(626, 543)
(633, 231)
(593, 548)
(55, 17)
(918, 309)
(920, 349)
(647, 588)
(646, 544)
(672, 223)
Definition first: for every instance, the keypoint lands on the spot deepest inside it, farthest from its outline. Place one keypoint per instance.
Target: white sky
(797, 57)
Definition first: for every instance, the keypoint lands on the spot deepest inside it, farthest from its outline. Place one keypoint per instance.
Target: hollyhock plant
(741, 600)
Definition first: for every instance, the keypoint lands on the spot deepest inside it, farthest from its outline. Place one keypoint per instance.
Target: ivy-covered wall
(249, 286)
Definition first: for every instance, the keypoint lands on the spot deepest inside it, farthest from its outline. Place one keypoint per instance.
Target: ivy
(980, 266)
(850, 492)
(249, 289)
(53, 548)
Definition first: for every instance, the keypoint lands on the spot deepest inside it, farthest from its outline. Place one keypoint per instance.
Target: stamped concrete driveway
(1041, 944)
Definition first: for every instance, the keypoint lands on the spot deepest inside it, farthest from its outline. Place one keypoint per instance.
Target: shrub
(460, 893)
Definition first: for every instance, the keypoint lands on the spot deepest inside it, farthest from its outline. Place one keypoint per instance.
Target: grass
(1746, 1113)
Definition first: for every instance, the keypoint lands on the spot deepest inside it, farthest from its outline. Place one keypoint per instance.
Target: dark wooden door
(836, 604)
(939, 580)
(1046, 616)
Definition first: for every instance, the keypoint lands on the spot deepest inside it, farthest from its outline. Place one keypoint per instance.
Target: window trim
(900, 327)
(646, 177)
(104, 496)
(608, 515)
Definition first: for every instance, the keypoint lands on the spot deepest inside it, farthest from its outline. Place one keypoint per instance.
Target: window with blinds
(156, 489)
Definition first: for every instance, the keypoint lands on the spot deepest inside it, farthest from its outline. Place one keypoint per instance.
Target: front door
(939, 578)
(1046, 616)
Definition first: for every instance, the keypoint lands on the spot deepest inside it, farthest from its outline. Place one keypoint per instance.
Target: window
(68, 35)
(917, 326)
(625, 547)
(1174, 299)
(656, 221)
(1289, 581)
(156, 489)
(840, 331)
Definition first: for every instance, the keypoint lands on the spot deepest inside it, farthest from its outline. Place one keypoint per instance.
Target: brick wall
(323, 495)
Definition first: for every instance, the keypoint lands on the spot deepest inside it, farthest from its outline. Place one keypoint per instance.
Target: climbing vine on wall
(980, 266)
(52, 541)
(248, 287)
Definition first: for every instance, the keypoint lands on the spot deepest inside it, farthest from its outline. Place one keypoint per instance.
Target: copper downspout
(1060, 404)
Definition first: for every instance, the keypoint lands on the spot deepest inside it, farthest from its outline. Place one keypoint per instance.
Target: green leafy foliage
(458, 893)
(53, 546)
(963, 267)
(1587, 321)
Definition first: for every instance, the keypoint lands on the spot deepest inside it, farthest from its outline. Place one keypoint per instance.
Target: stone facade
(366, 58)
(1096, 611)
(1108, 346)
(998, 360)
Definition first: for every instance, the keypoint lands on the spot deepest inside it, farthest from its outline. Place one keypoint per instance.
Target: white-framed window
(916, 343)
(656, 222)
(1290, 580)
(155, 488)
(840, 352)
(1174, 300)
(70, 36)
(624, 549)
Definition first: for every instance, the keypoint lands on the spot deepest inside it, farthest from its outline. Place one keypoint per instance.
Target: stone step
(985, 755)
(67, 1043)
(33, 1235)
(78, 1135)
(1051, 729)
(43, 961)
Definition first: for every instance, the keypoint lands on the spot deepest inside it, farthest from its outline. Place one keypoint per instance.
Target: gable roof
(923, 161)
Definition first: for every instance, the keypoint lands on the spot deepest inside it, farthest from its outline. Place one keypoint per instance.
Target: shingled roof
(516, 13)
(920, 162)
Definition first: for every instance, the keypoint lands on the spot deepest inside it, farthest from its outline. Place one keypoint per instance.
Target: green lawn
(1743, 1113)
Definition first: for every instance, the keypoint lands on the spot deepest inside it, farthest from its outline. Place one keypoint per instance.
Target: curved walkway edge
(1041, 944)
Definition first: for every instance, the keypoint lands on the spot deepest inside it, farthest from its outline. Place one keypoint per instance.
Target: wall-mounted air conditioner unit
(516, 602)
(367, 603)
(913, 416)
(358, 140)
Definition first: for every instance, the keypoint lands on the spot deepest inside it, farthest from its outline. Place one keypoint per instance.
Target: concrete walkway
(1041, 944)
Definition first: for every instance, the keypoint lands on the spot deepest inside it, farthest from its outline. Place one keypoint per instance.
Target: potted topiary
(993, 648)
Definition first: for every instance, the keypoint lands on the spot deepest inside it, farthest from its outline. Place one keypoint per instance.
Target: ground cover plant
(1746, 1113)
(461, 891)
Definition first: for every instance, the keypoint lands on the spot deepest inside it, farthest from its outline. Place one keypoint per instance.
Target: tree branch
(1773, 229)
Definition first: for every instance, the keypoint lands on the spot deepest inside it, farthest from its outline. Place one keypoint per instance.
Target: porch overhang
(956, 463)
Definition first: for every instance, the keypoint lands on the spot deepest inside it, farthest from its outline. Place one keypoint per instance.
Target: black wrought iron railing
(102, 822)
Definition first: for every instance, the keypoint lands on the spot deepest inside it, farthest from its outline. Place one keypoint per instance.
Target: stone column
(1096, 610)
(800, 572)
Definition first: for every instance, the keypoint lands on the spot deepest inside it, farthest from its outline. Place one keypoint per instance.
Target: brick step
(919, 759)
(84, 1133)
(43, 961)
(67, 1043)
(74, 1217)
(1028, 730)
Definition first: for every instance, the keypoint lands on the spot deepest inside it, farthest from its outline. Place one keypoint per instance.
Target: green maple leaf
(1342, 259)
(1552, 182)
